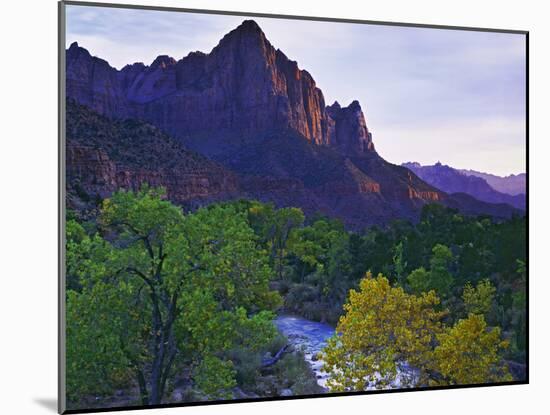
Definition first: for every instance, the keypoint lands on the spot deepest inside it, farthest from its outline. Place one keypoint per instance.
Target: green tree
(278, 233)
(85, 255)
(440, 263)
(399, 262)
(438, 278)
(309, 245)
(165, 290)
(324, 247)
(420, 280)
(519, 307)
(274, 228)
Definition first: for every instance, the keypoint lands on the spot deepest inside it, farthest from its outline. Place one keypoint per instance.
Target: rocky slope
(104, 155)
(452, 180)
(250, 108)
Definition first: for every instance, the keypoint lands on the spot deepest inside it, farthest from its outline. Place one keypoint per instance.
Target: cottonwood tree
(382, 327)
(274, 227)
(164, 289)
(478, 299)
(324, 247)
(469, 353)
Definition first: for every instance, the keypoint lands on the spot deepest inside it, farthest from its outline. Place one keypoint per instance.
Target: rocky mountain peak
(247, 34)
(163, 61)
(249, 26)
(355, 106)
(452, 180)
(76, 50)
(351, 135)
(247, 29)
(243, 86)
(247, 106)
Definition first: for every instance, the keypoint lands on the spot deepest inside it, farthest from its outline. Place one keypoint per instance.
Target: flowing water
(310, 337)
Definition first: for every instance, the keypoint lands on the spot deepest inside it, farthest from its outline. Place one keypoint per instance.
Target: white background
(28, 204)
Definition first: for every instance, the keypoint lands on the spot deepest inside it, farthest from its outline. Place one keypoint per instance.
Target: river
(311, 337)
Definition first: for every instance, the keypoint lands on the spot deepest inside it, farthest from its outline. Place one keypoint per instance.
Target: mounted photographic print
(259, 207)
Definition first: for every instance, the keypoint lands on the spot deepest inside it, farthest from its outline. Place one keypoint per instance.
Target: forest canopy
(154, 292)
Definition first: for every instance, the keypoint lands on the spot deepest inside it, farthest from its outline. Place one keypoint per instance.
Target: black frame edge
(61, 363)
(528, 263)
(290, 398)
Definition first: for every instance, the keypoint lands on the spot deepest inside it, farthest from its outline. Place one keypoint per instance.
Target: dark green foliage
(443, 251)
(447, 250)
(221, 264)
(291, 372)
(294, 373)
(81, 192)
(438, 278)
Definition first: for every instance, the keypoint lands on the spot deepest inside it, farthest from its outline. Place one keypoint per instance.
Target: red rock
(100, 159)
(253, 110)
(243, 85)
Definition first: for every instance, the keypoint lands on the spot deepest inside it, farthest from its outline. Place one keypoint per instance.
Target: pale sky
(428, 94)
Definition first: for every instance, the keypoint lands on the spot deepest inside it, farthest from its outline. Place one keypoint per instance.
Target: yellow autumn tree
(382, 327)
(478, 300)
(468, 353)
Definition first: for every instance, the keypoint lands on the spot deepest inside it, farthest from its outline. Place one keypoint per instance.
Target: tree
(85, 255)
(323, 246)
(278, 232)
(420, 280)
(519, 307)
(166, 289)
(440, 262)
(309, 246)
(438, 278)
(468, 353)
(382, 327)
(273, 227)
(478, 300)
(399, 262)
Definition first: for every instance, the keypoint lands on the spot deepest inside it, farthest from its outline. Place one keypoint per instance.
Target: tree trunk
(155, 384)
(274, 359)
(142, 387)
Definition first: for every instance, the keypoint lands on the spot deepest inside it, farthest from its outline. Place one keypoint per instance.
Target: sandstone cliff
(248, 107)
(244, 84)
(104, 155)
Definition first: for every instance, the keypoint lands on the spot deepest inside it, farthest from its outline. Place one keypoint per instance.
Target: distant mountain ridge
(452, 180)
(513, 184)
(248, 107)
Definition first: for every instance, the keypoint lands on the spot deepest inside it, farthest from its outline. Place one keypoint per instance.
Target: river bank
(309, 337)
